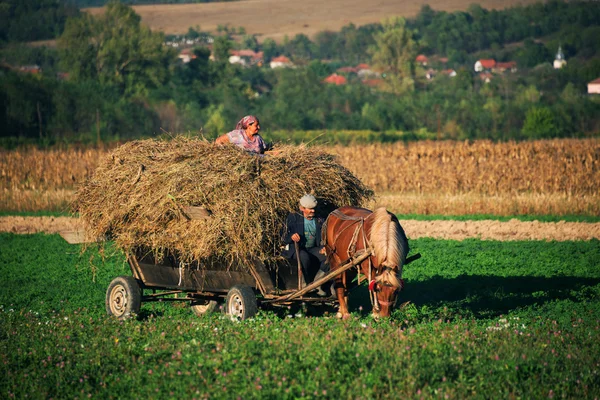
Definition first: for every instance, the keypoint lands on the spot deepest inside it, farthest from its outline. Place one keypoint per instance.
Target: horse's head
(386, 286)
(391, 247)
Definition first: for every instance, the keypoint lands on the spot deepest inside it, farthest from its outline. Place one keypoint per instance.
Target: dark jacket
(295, 224)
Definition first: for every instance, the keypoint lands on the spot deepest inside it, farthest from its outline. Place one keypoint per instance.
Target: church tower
(559, 60)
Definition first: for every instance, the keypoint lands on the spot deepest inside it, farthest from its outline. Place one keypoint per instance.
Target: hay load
(141, 193)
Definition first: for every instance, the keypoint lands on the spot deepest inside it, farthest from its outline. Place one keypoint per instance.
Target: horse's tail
(388, 240)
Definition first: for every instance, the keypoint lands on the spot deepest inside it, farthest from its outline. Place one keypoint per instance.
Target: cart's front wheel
(123, 297)
(202, 307)
(241, 302)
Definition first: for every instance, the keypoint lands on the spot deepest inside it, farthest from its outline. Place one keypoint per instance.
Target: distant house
(450, 72)
(422, 59)
(443, 60)
(346, 70)
(281, 62)
(246, 57)
(506, 66)
(486, 77)
(31, 69)
(373, 82)
(186, 56)
(430, 74)
(335, 79)
(485, 64)
(594, 86)
(364, 71)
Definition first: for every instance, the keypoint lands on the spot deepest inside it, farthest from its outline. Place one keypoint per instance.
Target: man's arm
(289, 229)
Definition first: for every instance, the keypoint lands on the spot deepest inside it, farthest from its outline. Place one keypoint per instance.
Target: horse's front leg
(340, 290)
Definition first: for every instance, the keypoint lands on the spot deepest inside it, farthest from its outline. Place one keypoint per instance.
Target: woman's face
(252, 129)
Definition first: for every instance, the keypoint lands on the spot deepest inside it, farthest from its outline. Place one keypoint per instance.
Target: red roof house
(594, 86)
(422, 59)
(335, 79)
(481, 65)
(346, 70)
(506, 66)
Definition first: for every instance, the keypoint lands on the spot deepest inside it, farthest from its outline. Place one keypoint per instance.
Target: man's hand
(296, 237)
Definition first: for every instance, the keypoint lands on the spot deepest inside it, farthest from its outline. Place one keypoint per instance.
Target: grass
(485, 319)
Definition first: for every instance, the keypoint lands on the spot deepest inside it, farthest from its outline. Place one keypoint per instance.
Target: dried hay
(138, 194)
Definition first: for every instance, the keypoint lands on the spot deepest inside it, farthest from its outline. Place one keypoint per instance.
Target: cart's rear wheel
(241, 302)
(201, 307)
(123, 297)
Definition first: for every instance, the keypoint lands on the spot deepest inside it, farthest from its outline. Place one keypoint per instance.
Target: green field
(486, 319)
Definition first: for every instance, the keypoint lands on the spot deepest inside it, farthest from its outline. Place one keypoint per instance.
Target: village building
(559, 60)
(346, 70)
(486, 77)
(485, 64)
(186, 56)
(594, 86)
(502, 67)
(374, 83)
(422, 59)
(281, 62)
(364, 71)
(31, 69)
(450, 72)
(335, 79)
(246, 57)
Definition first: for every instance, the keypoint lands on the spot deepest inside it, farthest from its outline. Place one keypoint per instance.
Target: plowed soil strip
(454, 230)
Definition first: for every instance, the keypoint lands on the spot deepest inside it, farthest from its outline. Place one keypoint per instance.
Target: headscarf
(247, 120)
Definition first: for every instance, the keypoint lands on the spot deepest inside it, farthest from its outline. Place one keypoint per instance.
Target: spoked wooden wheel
(123, 297)
(202, 307)
(241, 302)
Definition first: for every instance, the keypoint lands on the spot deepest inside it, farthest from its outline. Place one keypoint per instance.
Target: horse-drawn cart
(241, 289)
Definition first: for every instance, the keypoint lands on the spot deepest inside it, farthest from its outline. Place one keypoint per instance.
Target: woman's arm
(223, 139)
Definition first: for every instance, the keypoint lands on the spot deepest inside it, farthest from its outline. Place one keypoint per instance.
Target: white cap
(308, 201)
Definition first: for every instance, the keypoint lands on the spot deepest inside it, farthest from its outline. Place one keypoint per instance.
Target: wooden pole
(358, 258)
(297, 247)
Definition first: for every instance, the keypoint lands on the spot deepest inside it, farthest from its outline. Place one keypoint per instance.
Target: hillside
(278, 18)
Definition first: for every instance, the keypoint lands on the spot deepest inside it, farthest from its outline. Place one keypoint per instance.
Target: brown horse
(349, 230)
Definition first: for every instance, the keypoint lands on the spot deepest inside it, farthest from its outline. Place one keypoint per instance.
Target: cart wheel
(241, 302)
(123, 297)
(202, 307)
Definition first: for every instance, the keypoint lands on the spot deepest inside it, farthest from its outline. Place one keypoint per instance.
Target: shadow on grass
(489, 296)
(476, 296)
(479, 296)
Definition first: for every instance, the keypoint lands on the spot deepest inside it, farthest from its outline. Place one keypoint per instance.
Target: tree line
(123, 83)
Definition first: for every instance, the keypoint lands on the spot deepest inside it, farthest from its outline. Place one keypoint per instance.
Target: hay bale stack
(139, 193)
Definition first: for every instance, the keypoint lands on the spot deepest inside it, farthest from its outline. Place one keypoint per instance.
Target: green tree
(394, 53)
(221, 47)
(116, 50)
(270, 49)
(540, 123)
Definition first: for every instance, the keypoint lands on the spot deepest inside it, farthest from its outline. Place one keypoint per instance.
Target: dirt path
(457, 230)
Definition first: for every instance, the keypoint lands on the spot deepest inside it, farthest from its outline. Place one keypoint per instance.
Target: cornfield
(539, 177)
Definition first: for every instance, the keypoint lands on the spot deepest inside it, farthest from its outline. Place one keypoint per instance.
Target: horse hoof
(339, 315)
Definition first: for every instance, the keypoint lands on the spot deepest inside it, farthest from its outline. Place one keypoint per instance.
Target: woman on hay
(245, 135)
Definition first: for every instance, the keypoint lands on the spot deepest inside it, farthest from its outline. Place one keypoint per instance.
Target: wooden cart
(241, 289)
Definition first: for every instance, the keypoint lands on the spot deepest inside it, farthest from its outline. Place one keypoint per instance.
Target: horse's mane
(388, 240)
